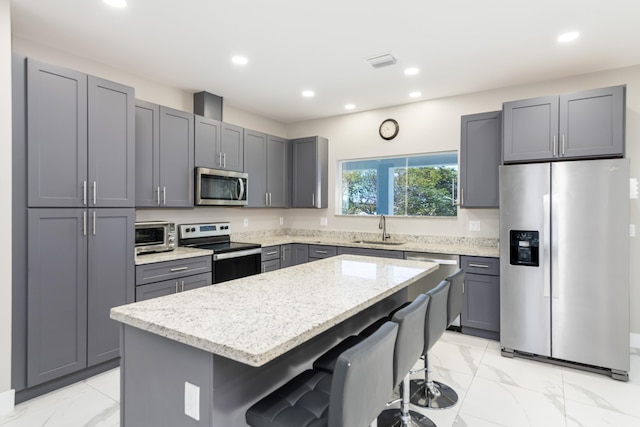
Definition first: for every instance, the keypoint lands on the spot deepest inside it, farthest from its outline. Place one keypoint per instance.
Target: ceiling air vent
(383, 60)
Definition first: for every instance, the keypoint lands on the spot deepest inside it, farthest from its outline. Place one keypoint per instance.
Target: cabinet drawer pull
(271, 253)
(478, 265)
(179, 269)
(322, 252)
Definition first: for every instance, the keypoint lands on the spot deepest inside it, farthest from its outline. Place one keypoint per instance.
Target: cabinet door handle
(224, 160)
(179, 269)
(554, 147)
(84, 223)
(269, 199)
(322, 252)
(158, 194)
(313, 199)
(95, 191)
(562, 145)
(462, 197)
(263, 268)
(266, 199)
(463, 287)
(176, 286)
(283, 254)
(183, 286)
(94, 223)
(271, 253)
(220, 159)
(164, 196)
(478, 265)
(84, 193)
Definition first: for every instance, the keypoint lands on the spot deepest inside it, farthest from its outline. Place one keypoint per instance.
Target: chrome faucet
(382, 225)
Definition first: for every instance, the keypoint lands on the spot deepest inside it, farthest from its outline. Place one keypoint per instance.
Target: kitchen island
(214, 351)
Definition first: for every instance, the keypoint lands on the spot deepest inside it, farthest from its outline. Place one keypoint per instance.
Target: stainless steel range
(231, 260)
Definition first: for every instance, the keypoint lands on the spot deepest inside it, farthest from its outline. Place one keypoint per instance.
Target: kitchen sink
(378, 242)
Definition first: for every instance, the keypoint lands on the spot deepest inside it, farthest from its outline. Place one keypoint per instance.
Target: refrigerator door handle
(546, 202)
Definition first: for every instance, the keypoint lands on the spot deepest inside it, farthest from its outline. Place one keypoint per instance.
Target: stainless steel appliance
(231, 260)
(216, 187)
(564, 262)
(155, 236)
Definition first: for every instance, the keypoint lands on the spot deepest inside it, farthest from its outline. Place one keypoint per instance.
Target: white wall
(5, 196)
(435, 126)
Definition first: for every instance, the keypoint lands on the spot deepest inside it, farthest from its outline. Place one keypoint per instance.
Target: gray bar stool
(411, 322)
(424, 392)
(317, 399)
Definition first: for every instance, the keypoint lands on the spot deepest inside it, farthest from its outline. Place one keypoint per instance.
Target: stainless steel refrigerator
(564, 262)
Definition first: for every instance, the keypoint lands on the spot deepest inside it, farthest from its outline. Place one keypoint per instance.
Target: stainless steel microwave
(155, 236)
(216, 187)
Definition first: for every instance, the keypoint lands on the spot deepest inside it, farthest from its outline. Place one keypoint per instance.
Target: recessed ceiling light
(349, 106)
(116, 3)
(415, 94)
(411, 71)
(240, 60)
(308, 93)
(568, 37)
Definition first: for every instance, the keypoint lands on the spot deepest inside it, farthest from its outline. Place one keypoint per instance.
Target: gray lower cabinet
(164, 156)
(80, 130)
(480, 156)
(80, 264)
(481, 302)
(299, 253)
(270, 258)
(578, 125)
(309, 170)
(321, 251)
(265, 160)
(381, 253)
(169, 277)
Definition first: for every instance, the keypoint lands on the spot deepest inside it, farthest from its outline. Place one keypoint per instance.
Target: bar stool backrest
(454, 302)
(436, 319)
(363, 380)
(410, 340)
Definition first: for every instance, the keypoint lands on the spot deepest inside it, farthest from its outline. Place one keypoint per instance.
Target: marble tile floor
(494, 391)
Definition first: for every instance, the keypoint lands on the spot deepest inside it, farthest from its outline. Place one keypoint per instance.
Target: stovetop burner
(214, 236)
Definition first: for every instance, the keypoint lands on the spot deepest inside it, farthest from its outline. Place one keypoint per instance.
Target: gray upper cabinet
(578, 125)
(207, 148)
(309, 180)
(80, 130)
(80, 265)
(480, 154)
(56, 136)
(266, 160)
(255, 164)
(231, 149)
(57, 294)
(164, 156)
(111, 278)
(219, 145)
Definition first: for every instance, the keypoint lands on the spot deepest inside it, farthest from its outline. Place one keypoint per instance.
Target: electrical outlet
(246, 222)
(474, 225)
(281, 221)
(323, 221)
(192, 401)
(632, 230)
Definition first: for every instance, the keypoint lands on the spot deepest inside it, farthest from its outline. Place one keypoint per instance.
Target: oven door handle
(236, 254)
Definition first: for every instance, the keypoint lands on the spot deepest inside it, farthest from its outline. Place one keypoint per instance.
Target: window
(421, 185)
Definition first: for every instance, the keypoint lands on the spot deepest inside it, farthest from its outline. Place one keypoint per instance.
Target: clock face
(389, 129)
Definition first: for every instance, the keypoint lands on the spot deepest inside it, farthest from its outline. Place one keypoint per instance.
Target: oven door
(220, 188)
(234, 265)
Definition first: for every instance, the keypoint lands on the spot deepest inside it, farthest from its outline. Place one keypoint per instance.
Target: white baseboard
(7, 401)
(634, 340)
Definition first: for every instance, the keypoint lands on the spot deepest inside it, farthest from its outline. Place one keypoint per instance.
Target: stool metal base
(443, 398)
(391, 418)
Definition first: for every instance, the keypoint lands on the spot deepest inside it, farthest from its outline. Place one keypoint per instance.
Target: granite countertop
(178, 253)
(255, 319)
(453, 246)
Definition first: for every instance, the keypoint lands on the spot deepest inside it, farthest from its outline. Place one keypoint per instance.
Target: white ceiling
(460, 46)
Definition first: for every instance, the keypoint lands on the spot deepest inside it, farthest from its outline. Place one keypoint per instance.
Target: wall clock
(389, 129)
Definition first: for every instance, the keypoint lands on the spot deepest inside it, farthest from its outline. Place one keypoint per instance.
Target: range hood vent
(381, 60)
(208, 105)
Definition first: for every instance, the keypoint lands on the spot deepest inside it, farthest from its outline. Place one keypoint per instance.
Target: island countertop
(255, 319)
